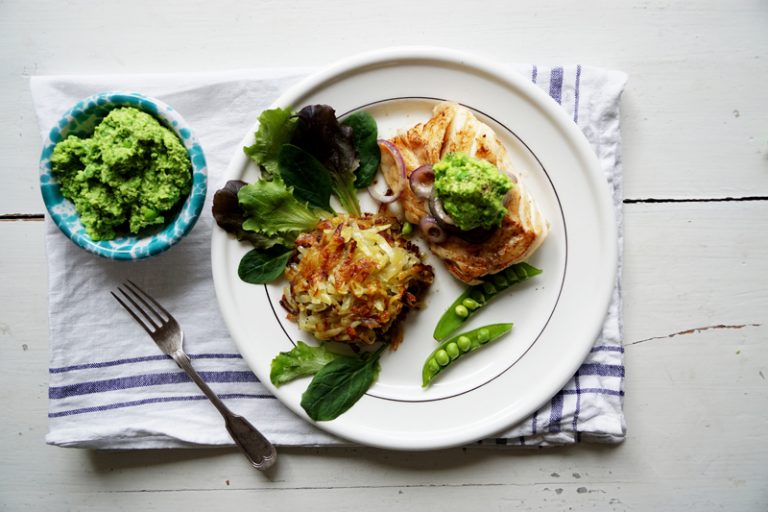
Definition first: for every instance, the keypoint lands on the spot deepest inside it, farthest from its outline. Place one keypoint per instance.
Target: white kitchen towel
(109, 387)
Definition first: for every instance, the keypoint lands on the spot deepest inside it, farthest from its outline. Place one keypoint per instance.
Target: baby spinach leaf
(301, 361)
(261, 266)
(309, 179)
(364, 135)
(275, 129)
(339, 385)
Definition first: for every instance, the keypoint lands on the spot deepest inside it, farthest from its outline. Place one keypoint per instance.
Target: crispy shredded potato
(353, 279)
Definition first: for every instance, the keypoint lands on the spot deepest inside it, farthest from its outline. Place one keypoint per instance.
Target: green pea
(461, 311)
(453, 350)
(521, 273)
(483, 335)
(407, 229)
(500, 281)
(432, 366)
(148, 213)
(511, 275)
(488, 288)
(464, 343)
(477, 295)
(442, 358)
(470, 304)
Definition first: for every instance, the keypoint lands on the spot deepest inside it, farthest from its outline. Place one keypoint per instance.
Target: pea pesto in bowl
(123, 176)
(126, 176)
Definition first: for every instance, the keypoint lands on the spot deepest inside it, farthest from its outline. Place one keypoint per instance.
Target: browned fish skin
(454, 128)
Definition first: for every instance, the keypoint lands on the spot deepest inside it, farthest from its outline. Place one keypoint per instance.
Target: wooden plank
(694, 109)
(695, 403)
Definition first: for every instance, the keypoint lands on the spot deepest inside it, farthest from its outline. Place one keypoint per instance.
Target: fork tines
(132, 293)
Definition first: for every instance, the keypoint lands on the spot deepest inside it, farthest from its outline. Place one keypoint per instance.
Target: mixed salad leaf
(264, 266)
(316, 154)
(275, 129)
(365, 134)
(320, 134)
(307, 176)
(340, 384)
(273, 210)
(301, 361)
(304, 158)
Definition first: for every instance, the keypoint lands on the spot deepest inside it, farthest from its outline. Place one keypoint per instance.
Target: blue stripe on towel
(117, 362)
(604, 370)
(557, 412)
(140, 381)
(162, 399)
(556, 84)
(576, 94)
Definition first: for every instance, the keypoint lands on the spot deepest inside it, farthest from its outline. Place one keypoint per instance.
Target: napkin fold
(109, 387)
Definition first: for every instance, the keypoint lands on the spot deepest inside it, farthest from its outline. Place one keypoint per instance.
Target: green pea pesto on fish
(461, 190)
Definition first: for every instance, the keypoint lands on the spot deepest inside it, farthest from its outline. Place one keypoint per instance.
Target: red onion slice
(422, 180)
(432, 231)
(393, 172)
(436, 208)
(383, 196)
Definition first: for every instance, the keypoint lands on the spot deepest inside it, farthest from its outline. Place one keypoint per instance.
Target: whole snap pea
(453, 348)
(477, 296)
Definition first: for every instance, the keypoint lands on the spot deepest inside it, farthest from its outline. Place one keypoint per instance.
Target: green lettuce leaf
(230, 217)
(276, 127)
(301, 361)
(273, 210)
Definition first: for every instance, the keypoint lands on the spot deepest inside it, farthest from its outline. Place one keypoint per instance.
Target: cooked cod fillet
(454, 128)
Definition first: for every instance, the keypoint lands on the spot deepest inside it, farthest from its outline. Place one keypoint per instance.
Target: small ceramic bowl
(81, 120)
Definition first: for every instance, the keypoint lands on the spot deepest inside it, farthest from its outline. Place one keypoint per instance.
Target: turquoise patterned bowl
(81, 120)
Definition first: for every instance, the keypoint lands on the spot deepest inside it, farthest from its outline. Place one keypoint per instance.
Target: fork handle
(257, 448)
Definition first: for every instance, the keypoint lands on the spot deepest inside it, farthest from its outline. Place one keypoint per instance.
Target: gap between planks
(21, 217)
(653, 200)
(358, 487)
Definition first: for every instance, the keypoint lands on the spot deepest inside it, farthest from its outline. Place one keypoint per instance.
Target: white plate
(557, 315)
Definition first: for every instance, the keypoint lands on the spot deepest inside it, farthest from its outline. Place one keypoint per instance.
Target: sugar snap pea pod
(451, 349)
(477, 296)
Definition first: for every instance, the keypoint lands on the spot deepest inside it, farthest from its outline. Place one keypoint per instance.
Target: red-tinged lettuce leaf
(320, 134)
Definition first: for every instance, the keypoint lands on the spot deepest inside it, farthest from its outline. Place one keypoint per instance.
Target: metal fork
(167, 333)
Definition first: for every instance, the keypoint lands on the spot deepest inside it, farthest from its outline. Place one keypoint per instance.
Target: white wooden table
(695, 127)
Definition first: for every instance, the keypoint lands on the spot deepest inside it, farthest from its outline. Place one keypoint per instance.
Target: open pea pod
(452, 349)
(477, 296)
